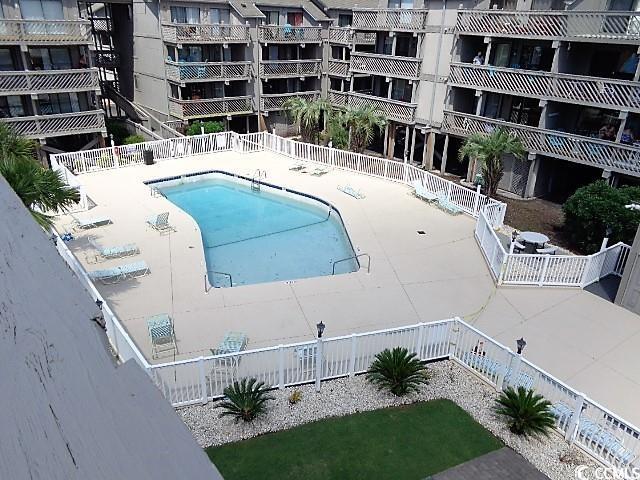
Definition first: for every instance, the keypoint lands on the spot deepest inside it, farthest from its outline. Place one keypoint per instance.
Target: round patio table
(534, 239)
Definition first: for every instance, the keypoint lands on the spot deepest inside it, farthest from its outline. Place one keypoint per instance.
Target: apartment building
(48, 89)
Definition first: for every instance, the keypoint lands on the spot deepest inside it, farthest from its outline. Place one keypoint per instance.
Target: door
(294, 19)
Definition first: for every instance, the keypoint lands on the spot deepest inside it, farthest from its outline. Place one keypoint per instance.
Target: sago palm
(307, 114)
(362, 123)
(40, 189)
(488, 149)
(398, 371)
(245, 400)
(526, 412)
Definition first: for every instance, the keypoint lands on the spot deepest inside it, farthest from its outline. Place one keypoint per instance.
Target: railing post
(352, 357)
(386, 168)
(543, 272)
(513, 369)
(449, 191)
(114, 153)
(358, 164)
(203, 380)
(476, 202)
(503, 371)
(574, 420)
(281, 367)
(420, 341)
(453, 337)
(405, 173)
(585, 271)
(318, 363)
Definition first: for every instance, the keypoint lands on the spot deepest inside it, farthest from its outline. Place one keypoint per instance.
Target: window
(50, 58)
(294, 19)
(190, 54)
(185, 15)
(51, 104)
(345, 20)
(273, 17)
(41, 9)
(11, 106)
(6, 60)
(401, 90)
(218, 15)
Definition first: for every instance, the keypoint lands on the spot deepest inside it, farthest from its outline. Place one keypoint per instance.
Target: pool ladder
(356, 258)
(255, 180)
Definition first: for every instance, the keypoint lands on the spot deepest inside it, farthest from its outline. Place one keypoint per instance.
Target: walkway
(503, 464)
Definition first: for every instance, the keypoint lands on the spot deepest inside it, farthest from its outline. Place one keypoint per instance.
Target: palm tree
(362, 123)
(527, 413)
(40, 189)
(398, 371)
(308, 114)
(489, 149)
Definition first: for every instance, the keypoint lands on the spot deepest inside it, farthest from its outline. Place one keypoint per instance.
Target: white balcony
(207, 71)
(51, 81)
(346, 36)
(209, 107)
(205, 33)
(290, 68)
(590, 151)
(42, 126)
(338, 68)
(386, 65)
(44, 32)
(269, 102)
(617, 27)
(392, 19)
(289, 34)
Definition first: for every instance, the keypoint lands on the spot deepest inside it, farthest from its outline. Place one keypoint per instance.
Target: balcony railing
(290, 68)
(209, 107)
(598, 92)
(106, 58)
(393, 109)
(557, 25)
(346, 36)
(51, 81)
(44, 31)
(42, 126)
(205, 33)
(339, 99)
(275, 101)
(289, 34)
(387, 65)
(339, 68)
(412, 20)
(598, 153)
(207, 71)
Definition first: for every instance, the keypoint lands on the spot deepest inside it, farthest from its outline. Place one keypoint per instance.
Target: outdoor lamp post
(521, 344)
(318, 356)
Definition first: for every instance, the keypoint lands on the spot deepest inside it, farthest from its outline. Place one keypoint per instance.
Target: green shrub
(527, 413)
(593, 208)
(398, 371)
(245, 399)
(118, 130)
(131, 139)
(209, 127)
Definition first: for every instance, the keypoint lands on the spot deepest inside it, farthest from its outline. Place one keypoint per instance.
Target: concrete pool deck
(578, 337)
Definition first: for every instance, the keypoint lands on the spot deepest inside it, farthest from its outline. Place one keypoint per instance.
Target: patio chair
(547, 251)
(86, 224)
(447, 205)
(106, 275)
(297, 166)
(160, 222)
(518, 247)
(232, 342)
(119, 251)
(349, 190)
(319, 171)
(162, 334)
(422, 193)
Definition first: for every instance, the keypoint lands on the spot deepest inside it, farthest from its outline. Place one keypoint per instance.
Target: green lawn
(405, 443)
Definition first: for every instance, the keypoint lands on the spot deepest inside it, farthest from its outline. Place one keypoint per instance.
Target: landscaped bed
(407, 442)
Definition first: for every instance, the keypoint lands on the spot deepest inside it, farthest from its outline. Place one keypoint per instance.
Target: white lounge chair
(160, 222)
(80, 224)
(349, 190)
(319, 171)
(120, 273)
(105, 253)
(422, 192)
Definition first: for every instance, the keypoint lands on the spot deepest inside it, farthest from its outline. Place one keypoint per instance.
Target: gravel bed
(346, 396)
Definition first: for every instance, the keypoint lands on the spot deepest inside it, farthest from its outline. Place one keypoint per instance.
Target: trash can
(148, 157)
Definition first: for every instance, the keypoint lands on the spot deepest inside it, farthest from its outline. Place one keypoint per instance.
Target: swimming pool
(252, 235)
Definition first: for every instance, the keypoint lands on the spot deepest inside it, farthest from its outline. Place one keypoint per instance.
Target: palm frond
(527, 413)
(245, 400)
(398, 371)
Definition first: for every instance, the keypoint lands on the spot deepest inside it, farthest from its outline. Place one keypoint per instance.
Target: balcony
(205, 33)
(209, 107)
(275, 101)
(395, 110)
(207, 71)
(290, 68)
(346, 36)
(338, 99)
(598, 153)
(42, 126)
(289, 34)
(338, 68)
(593, 91)
(615, 27)
(391, 19)
(48, 81)
(386, 65)
(44, 32)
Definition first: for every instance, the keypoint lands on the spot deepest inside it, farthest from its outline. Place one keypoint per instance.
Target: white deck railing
(44, 32)
(48, 81)
(386, 65)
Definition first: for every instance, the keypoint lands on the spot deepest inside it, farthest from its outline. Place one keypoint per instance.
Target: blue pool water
(262, 236)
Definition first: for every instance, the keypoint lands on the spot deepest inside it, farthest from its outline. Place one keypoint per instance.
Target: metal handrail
(333, 269)
(206, 279)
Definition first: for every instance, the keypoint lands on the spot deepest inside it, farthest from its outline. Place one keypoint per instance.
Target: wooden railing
(346, 36)
(340, 99)
(45, 31)
(387, 65)
(275, 101)
(595, 91)
(393, 109)
(413, 20)
(204, 71)
(209, 107)
(205, 33)
(290, 68)
(289, 34)
(48, 81)
(338, 68)
(553, 25)
(598, 153)
(42, 126)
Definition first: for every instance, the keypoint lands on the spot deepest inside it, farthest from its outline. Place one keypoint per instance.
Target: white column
(443, 166)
